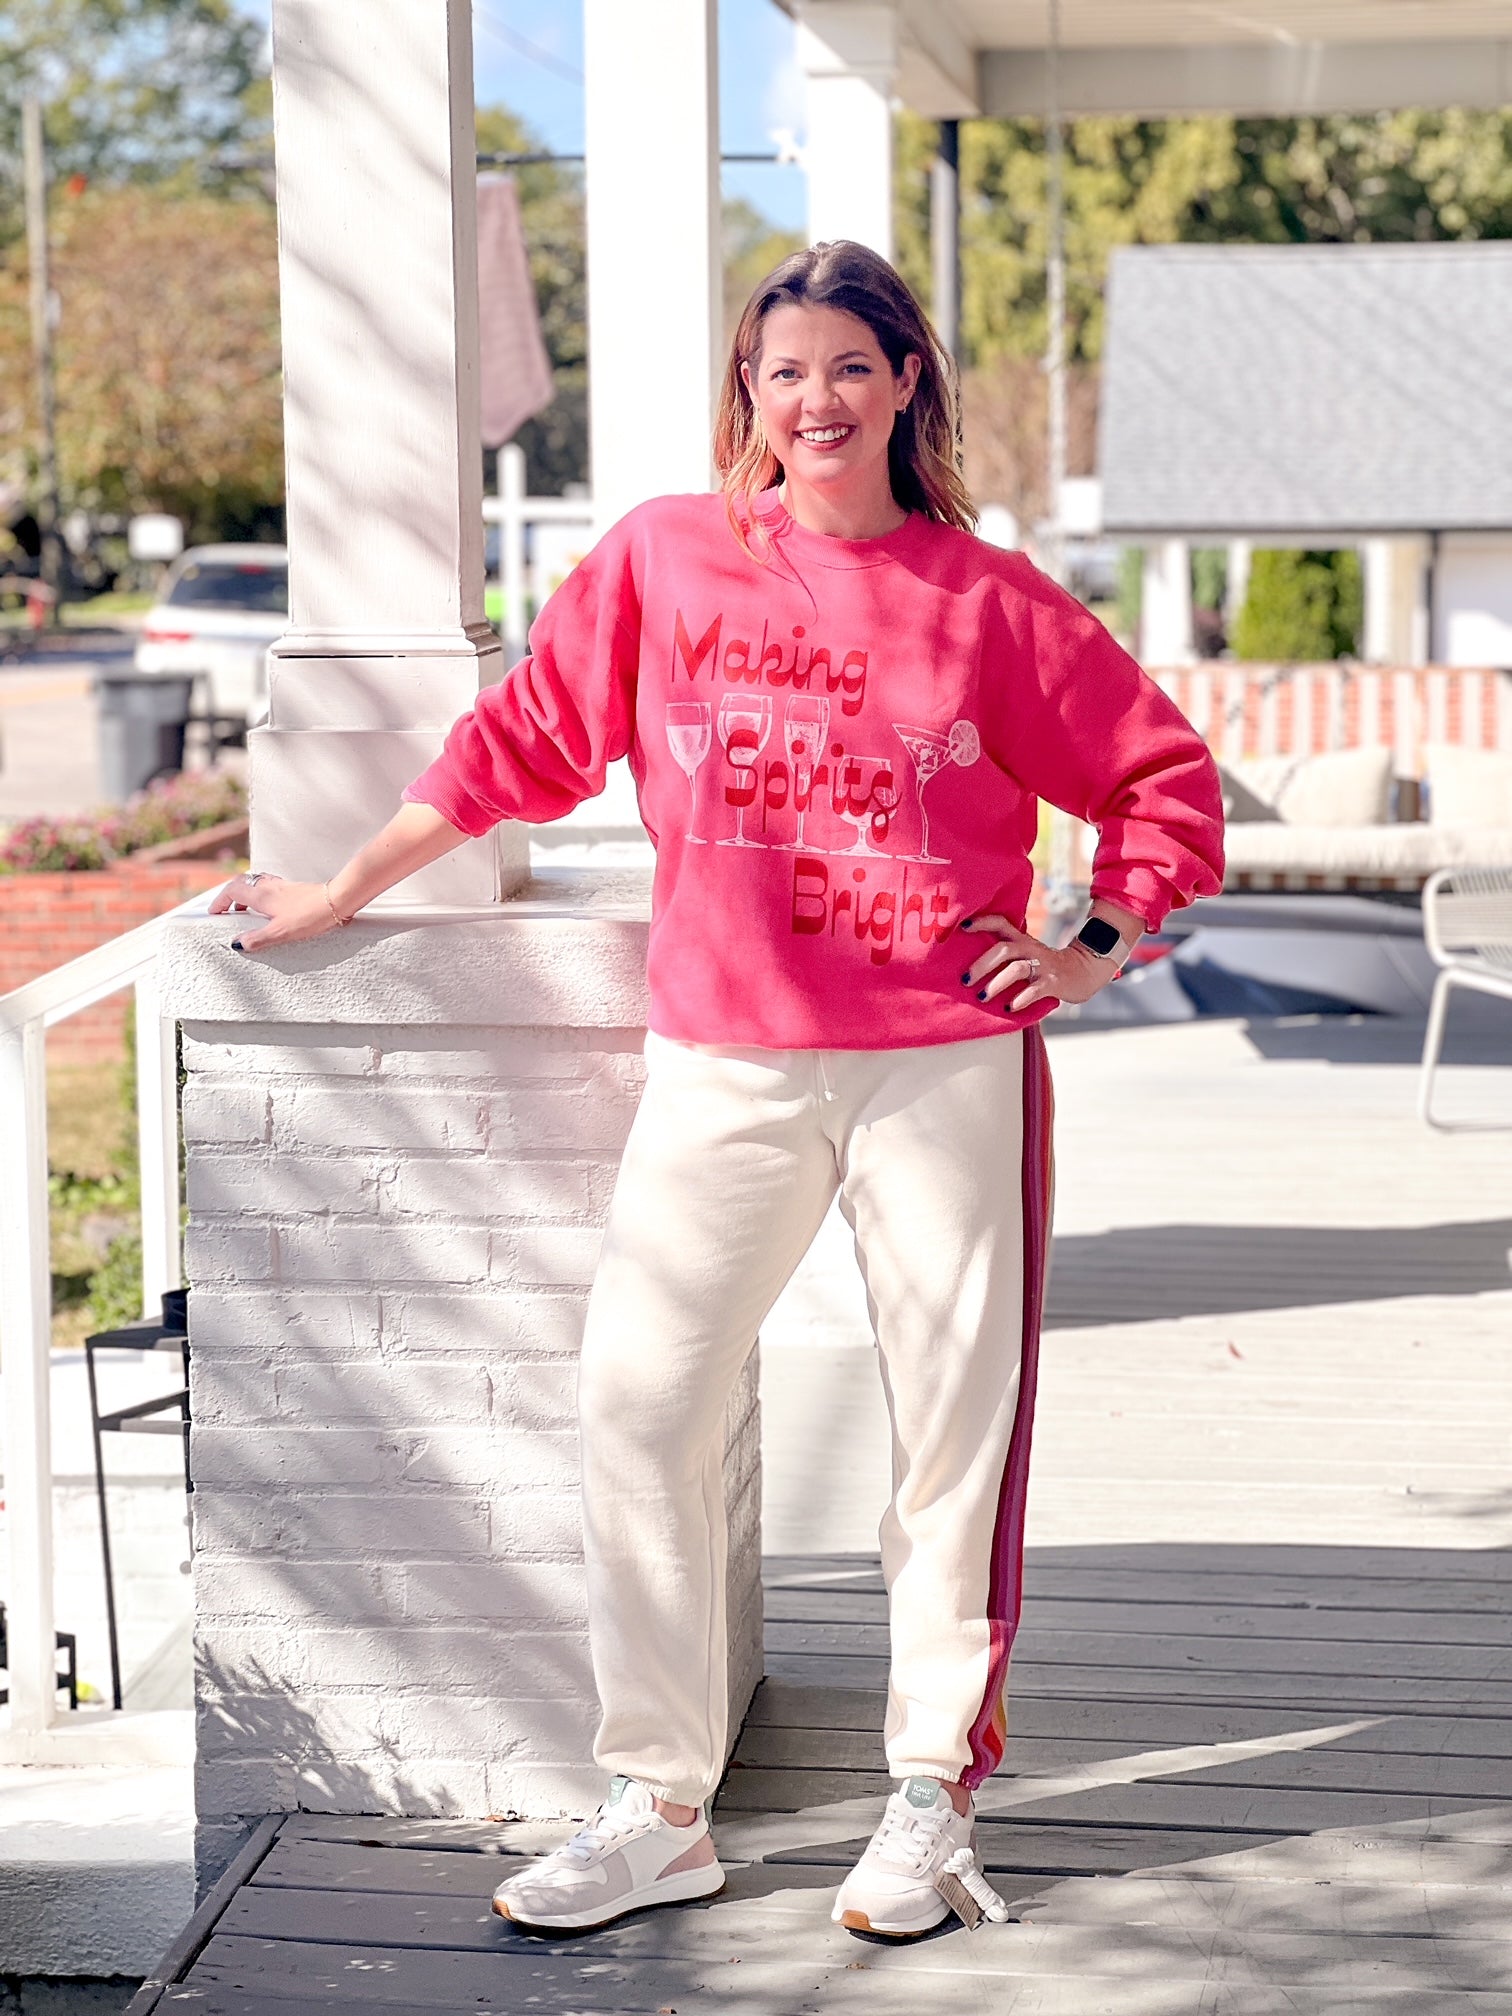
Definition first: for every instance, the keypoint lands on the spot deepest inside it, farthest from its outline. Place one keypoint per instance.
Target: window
(262, 585)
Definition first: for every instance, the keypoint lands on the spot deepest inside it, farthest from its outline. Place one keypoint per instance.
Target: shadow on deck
(1243, 1780)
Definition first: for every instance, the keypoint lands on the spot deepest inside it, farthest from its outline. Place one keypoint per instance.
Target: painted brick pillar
(401, 1143)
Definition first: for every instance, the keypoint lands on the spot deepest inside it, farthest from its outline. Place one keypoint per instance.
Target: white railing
(25, 1273)
(512, 511)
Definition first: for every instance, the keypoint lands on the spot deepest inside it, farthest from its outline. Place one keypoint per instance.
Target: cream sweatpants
(941, 1156)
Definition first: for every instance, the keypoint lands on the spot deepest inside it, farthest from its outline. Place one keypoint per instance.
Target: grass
(93, 1186)
(107, 608)
(99, 611)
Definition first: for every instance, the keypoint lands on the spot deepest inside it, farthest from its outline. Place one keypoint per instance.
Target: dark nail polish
(982, 995)
(967, 922)
(965, 979)
(237, 946)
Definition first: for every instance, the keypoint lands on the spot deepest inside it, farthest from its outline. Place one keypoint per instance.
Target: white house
(1318, 396)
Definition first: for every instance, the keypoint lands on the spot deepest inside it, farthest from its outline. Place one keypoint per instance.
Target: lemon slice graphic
(965, 744)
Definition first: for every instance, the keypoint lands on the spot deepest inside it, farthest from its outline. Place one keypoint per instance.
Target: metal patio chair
(1467, 926)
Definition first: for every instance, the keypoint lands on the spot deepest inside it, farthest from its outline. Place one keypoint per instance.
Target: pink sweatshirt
(839, 755)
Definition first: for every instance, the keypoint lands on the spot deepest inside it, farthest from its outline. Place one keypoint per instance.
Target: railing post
(25, 1356)
(512, 549)
(157, 1143)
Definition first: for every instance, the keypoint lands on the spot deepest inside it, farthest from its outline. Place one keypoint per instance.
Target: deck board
(1260, 1759)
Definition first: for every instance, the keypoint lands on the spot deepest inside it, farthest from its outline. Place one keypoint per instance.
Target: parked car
(220, 609)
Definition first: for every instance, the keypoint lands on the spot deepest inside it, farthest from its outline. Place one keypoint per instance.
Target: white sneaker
(627, 1857)
(919, 1866)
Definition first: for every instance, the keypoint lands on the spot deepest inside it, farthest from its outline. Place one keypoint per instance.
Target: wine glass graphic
(749, 717)
(805, 723)
(689, 733)
(868, 809)
(929, 752)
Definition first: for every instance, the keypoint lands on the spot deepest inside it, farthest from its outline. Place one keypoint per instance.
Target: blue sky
(528, 55)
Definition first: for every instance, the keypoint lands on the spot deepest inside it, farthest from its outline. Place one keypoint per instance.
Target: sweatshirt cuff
(455, 807)
(1139, 890)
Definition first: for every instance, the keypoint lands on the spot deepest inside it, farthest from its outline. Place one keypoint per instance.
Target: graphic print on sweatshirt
(783, 755)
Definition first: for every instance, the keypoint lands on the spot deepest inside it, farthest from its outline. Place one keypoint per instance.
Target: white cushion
(1241, 805)
(1468, 787)
(1364, 851)
(1342, 787)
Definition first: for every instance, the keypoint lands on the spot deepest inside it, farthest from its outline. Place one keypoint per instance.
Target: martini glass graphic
(689, 734)
(929, 752)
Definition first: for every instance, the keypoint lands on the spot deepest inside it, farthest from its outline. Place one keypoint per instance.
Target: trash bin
(142, 720)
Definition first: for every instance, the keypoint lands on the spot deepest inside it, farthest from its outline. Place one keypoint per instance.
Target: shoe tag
(960, 1900)
(618, 1787)
(923, 1792)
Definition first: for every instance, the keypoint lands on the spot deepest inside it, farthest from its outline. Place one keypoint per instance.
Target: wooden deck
(1261, 1758)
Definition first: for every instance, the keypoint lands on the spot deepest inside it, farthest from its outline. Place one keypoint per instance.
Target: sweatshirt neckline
(826, 551)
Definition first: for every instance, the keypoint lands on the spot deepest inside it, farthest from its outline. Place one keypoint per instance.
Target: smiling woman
(837, 386)
(841, 709)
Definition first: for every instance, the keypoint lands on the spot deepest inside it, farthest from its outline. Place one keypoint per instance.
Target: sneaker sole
(857, 1921)
(685, 1889)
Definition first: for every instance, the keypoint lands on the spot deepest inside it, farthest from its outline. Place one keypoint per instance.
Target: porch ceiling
(1127, 24)
(1149, 58)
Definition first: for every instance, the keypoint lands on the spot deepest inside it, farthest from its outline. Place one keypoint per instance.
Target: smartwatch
(1100, 938)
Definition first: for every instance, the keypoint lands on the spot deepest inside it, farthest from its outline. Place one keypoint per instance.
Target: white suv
(219, 610)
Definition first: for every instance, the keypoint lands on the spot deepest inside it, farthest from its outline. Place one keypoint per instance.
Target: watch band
(1102, 940)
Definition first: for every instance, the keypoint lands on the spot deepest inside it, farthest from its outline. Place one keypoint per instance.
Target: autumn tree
(144, 91)
(167, 351)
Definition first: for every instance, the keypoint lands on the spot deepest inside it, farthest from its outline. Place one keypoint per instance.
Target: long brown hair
(923, 456)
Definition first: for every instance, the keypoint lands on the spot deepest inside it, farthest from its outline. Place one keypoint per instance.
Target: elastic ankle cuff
(672, 1795)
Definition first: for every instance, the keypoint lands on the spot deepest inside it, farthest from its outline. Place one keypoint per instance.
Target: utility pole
(34, 149)
(945, 235)
(1055, 299)
(1060, 890)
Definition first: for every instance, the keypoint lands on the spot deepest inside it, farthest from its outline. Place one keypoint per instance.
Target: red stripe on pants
(1006, 1573)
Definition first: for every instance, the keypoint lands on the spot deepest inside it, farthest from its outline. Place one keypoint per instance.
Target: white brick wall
(394, 1217)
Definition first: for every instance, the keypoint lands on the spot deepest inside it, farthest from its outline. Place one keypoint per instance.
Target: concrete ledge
(568, 951)
(96, 1868)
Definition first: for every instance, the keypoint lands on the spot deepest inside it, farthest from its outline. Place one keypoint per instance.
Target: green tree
(133, 91)
(753, 245)
(169, 391)
(1300, 608)
(1356, 179)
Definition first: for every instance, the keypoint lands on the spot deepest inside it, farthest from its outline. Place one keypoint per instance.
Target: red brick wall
(46, 920)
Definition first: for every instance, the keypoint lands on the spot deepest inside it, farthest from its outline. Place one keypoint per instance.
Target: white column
(1166, 610)
(387, 640)
(1396, 600)
(849, 56)
(1378, 570)
(1241, 553)
(655, 308)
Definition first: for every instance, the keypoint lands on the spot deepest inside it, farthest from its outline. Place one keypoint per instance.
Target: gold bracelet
(325, 890)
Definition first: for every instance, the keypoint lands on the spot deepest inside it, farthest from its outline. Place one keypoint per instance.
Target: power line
(522, 46)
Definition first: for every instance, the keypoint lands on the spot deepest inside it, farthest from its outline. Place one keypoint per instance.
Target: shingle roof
(1306, 388)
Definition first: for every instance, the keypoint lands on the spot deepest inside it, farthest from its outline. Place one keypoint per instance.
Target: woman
(840, 709)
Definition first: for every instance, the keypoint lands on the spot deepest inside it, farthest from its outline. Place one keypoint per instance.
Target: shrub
(1130, 589)
(1301, 607)
(115, 1287)
(166, 810)
(42, 845)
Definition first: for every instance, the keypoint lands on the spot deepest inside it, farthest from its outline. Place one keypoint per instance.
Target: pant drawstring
(824, 1077)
